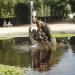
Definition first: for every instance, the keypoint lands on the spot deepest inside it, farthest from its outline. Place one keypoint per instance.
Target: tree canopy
(43, 7)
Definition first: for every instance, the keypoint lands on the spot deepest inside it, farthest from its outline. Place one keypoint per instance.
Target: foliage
(53, 7)
(43, 7)
(58, 7)
(62, 35)
(8, 70)
(12, 70)
(22, 12)
(6, 8)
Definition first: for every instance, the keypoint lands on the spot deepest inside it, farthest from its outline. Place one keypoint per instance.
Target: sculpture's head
(34, 20)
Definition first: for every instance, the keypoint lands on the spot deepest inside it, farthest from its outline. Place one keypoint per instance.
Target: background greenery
(12, 70)
(43, 7)
(19, 10)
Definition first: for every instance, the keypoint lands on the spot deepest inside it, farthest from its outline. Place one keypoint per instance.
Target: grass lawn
(53, 35)
(62, 35)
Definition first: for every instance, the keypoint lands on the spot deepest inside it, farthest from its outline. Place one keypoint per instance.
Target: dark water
(41, 61)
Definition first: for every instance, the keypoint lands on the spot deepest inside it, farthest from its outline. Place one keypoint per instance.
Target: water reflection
(40, 59)
(43, 59)
(62, 62)
(9, 55)
(73, 48)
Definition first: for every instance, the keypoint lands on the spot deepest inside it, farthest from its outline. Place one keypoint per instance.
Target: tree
(72, 3)
(7, 8)
(22, 12)
(38, 5)
(58, 7)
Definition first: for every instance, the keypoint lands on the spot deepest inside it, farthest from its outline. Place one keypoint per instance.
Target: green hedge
(12, 70)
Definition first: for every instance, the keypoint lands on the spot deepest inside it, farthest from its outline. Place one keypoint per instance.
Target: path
(23, 31)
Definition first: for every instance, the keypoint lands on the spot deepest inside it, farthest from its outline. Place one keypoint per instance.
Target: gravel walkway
(23, 31)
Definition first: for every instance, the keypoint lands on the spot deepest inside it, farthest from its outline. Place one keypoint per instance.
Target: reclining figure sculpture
(42, 34)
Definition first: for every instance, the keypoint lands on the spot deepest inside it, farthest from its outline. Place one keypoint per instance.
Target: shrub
(12, 70)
